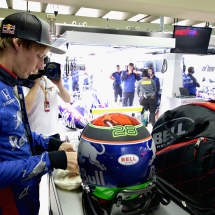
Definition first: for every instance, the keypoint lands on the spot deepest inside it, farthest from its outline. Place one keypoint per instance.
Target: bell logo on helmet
(128, 159)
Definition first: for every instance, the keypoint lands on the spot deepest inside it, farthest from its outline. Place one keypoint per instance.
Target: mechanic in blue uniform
(85, 78)
(75, 79)
(191, 82)
(157, 83)
(184, 76)
(116, 77)
(129, 78)
(24, 42)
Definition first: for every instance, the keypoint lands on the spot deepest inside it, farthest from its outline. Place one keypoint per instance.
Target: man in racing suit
(24, 42)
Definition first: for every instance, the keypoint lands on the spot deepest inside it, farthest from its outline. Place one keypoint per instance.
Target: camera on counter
(51, 70)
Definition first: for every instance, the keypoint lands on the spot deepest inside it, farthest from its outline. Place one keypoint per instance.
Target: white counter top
(174, 102)
(71, 204)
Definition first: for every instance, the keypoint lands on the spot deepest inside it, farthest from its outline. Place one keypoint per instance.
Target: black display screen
(191, 40)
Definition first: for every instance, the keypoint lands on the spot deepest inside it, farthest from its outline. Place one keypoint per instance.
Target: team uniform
(20, 172)
(191, 84)
(75, 79)
(184, 80)
(117, 86)
(128, 87)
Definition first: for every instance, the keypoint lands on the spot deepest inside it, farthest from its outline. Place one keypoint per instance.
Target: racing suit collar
(10, 79)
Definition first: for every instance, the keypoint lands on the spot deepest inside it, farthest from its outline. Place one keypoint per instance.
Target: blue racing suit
(191, 84)
(20, 168)
(184, 80)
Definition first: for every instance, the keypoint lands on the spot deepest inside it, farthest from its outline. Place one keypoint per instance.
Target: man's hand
(135, 72)
(72, 164)
(57, 82)
(37, 81)
(63, 93)
(68, 147)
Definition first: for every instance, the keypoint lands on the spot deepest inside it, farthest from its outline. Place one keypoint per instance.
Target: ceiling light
(88, 12)
(156, 21)
(183, 22)
(34, 6)
(62, 9)
(19, 5)
(166, 20)
(137, 17)
(200, 24)
(115, 15)
(4, 4)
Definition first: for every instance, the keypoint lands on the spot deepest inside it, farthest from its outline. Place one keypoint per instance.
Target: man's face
(118, 69)
(149, 71)
(28, 61)
(130, 68)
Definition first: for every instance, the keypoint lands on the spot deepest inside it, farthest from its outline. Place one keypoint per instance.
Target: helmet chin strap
(122, 205)
(86, 189)
(147, 194)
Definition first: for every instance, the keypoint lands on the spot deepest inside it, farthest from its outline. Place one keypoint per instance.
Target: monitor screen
(191, 40)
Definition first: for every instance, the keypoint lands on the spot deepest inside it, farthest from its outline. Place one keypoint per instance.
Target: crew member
(42, 105)
(116, 77)
(184, 76)
(75, 80)
(191, 82)
(146, 90)
(157, 83)
(129, 78)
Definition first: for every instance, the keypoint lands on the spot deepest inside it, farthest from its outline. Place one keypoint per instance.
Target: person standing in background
(75, 79)
(157, 83)
(191, 82)
(85, 78)
(146, 90)
(184, 76)
(129, 78)
(116, 77)
(43, 92)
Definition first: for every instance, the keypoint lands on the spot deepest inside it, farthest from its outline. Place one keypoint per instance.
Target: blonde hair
(6, 42)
